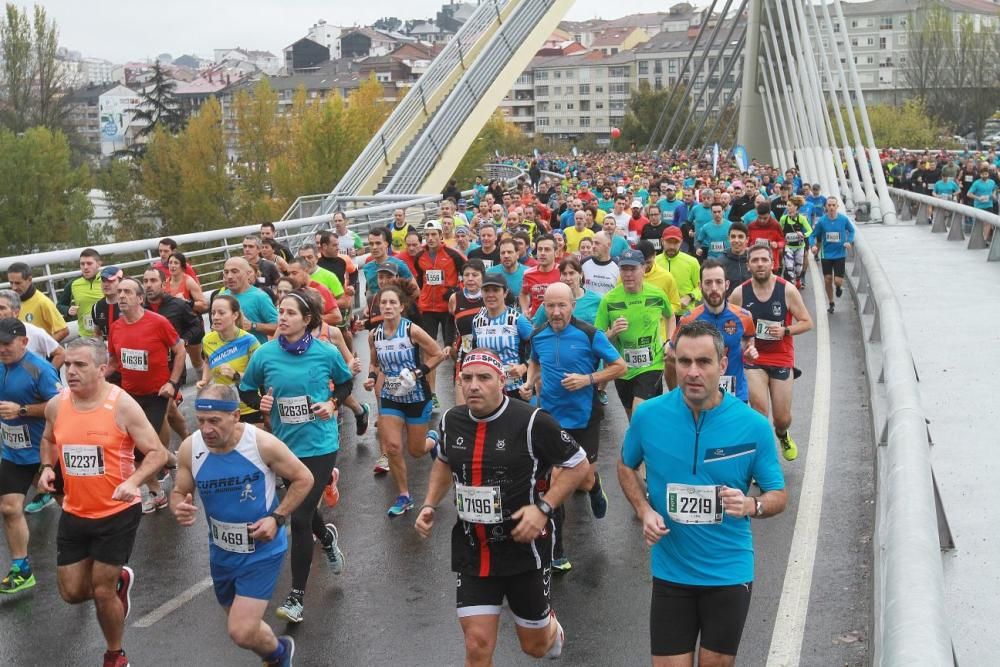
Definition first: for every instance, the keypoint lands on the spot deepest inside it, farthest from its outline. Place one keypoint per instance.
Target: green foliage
(31, 83)
(126, 205)
(906, 126)
(258, 144)
(644, 109)
(44, 199)
(159, 107)
(498, 134)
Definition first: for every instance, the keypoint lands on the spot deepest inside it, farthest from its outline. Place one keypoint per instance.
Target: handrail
(467, 92)
(911, 626)
(936, 211)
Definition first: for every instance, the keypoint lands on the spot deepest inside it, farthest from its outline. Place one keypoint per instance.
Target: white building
(328, 35)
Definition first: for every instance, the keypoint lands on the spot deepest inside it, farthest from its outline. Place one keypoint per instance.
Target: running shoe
(115, 659)
(363, 419)
(598, 500)
(557, 646)
(124, 588)
(402, 505)
(839, 291)
(286, 659)
(561, 565)
(147, 500)
(160, 500)
(788, 448)
(829, 308)
(435, 402)
(334, 556)
(40, 502)
(381, 465)
(436, 449)
(290, 610)
(16, 580)
(602, 396)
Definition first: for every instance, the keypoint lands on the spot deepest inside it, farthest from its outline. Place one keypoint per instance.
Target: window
(569, 121)
(584, 121)
(658, 83)
(569, 90)
(616, 105)
(882, 43)
(557, 74)
(901, 40)
(643, 67)
(871, 41)
(614, 50)
(618, 72)
(584, 105)
(672, 67)
(618, 89)
(598, 105)
(885, 23)
(584, 89)
(558, 106)
(558, 122)
(658, 67)
(836, 27)
(598, 89)
(569, 106)
(541, 121)
(569, 74)
(869, 60)
(854, 23)
(854, 41)
(543, 75)
(542, 107)
(541, 91)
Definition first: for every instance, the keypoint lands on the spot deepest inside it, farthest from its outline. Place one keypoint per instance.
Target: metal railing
(475, 82)
(910, 622)
(948, 216)
(415, 103)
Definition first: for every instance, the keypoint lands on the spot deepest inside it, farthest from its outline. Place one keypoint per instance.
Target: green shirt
(329, 280)
(641, 345)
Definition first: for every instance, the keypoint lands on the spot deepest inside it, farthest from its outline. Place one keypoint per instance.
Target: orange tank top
(181, 291)
(95, 456)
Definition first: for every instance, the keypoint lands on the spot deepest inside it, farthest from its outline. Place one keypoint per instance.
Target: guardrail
(948, 216)
(910, 622)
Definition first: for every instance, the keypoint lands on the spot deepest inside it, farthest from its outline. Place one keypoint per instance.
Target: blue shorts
(255, 580)
(418, 413)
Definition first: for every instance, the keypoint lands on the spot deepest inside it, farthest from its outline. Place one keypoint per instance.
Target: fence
(948, 216)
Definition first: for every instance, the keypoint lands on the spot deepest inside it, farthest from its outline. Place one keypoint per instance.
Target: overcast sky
(138, 29)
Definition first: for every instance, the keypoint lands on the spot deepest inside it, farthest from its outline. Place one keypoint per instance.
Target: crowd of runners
(676, 283)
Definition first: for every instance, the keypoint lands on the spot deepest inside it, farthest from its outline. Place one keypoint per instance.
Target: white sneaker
(148, 500)
(557, 646)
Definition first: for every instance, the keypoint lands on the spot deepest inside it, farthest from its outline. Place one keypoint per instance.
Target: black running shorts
(527, 596)
(15, 477)
(643, 386)
(834, 267)
(679, 614)
(108, 540)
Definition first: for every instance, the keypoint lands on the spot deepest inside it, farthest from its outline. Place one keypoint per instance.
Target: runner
(765, 229)
(634, 315)
(488, 250)
(695, 518)
(92, 432)
(833, 236)
(402, 355)
(586, 302)
(712, 240)
(182, 285)
(736, 260)
(378, 248)
(289, 378)
(734, 324)
(496, 489)
(247, 541)
(142, 344)
(464, 305)
(227, 350)
(774, 304)
(348, 241)
(260, 317)
(398, 230)
(600, 272)
(36, 308)
(266, 273)
(27, 382)
(81, 294)
(797, 231)
(106, 311)
(682, 266)
(503, 330)
(39, 341)
(538, 278)
(509, 267)
(564, 374)
(298, 274)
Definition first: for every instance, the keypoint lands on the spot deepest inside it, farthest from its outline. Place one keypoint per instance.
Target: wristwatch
(22, 411)
(759, 511)
(544, 507)
(278, 518)
(788, 331)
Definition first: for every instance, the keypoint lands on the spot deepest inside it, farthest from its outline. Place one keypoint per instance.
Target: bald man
(565, 358)
(260, 317)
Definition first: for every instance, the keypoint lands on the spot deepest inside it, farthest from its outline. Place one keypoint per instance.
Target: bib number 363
(690, 504)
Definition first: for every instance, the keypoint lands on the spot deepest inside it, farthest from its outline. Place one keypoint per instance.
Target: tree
(497, 136)
(258, 142)
(44, 200)
(123, 195)
(32, 84)
(158, 108)
(906, 126)
(644, 109)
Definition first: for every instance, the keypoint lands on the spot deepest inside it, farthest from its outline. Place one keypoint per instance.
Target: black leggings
(307, 520)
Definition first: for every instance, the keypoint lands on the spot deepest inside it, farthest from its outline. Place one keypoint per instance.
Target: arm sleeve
(552, 444)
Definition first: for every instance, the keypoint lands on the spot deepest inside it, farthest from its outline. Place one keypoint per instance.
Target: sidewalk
(950, 298)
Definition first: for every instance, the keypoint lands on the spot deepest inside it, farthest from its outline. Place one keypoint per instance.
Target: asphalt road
(394, 604)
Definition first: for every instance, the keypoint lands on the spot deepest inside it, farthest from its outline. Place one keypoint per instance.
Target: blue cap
(631, 258)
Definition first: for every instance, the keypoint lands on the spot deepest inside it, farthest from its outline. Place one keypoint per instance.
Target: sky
(140, 29)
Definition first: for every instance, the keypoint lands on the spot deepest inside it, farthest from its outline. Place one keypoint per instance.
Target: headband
(301, 299)
(486, 359)
(215, 405)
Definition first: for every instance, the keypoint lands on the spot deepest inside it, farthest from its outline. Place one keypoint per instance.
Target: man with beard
(682, 266)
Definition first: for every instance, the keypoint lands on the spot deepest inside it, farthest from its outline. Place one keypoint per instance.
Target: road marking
(174, 604)
(790, 621)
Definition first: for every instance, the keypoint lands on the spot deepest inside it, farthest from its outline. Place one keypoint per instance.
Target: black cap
(388, 267)
(11, 328)
(495, 279)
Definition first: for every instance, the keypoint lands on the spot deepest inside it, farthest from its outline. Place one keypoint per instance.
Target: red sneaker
(115, 659)
(124, 591)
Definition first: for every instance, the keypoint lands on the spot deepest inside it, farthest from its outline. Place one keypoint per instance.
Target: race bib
(434, 277)
(88, 322)
(717, 246)
(394, 386)
(135, 360)
(727, 383)
(657, 245)
(832, 237)
(466, 344)
(488, 263)
(233, 537)
(793, 237)
(763, 326)
(478, 504)
(15, 437)
(295, 410)
(83, 460)
(496, 331)
(694, 504)
(637, 357)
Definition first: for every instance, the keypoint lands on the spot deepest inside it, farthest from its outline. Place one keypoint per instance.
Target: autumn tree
(32, 86)
(258, 142)
(497, 136)
(645, 106)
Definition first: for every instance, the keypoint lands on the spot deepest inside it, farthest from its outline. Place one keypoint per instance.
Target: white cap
(636, 203)
(432, 224)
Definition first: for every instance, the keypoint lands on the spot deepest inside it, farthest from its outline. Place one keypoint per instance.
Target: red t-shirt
(141, 350)
(636, 225)
(534, 284)
(329, 303)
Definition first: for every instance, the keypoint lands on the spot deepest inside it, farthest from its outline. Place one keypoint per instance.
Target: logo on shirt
(566, 437)
(501, 445)
(459, 443)
(729, 327)
(776, 309)
(247, 493)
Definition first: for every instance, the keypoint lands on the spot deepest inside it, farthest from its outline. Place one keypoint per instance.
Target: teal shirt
(714, 238)
(297, 381)
(256, 306)
(585, 309)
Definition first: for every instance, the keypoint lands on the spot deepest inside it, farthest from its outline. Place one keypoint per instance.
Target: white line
(174, 604)
(790, 621)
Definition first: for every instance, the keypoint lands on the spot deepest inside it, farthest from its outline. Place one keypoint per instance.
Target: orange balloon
(615, 133)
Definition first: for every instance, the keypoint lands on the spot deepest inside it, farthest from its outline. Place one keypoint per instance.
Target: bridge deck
(951, 303)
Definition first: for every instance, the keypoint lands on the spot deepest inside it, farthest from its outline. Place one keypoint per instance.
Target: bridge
(885, 554)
